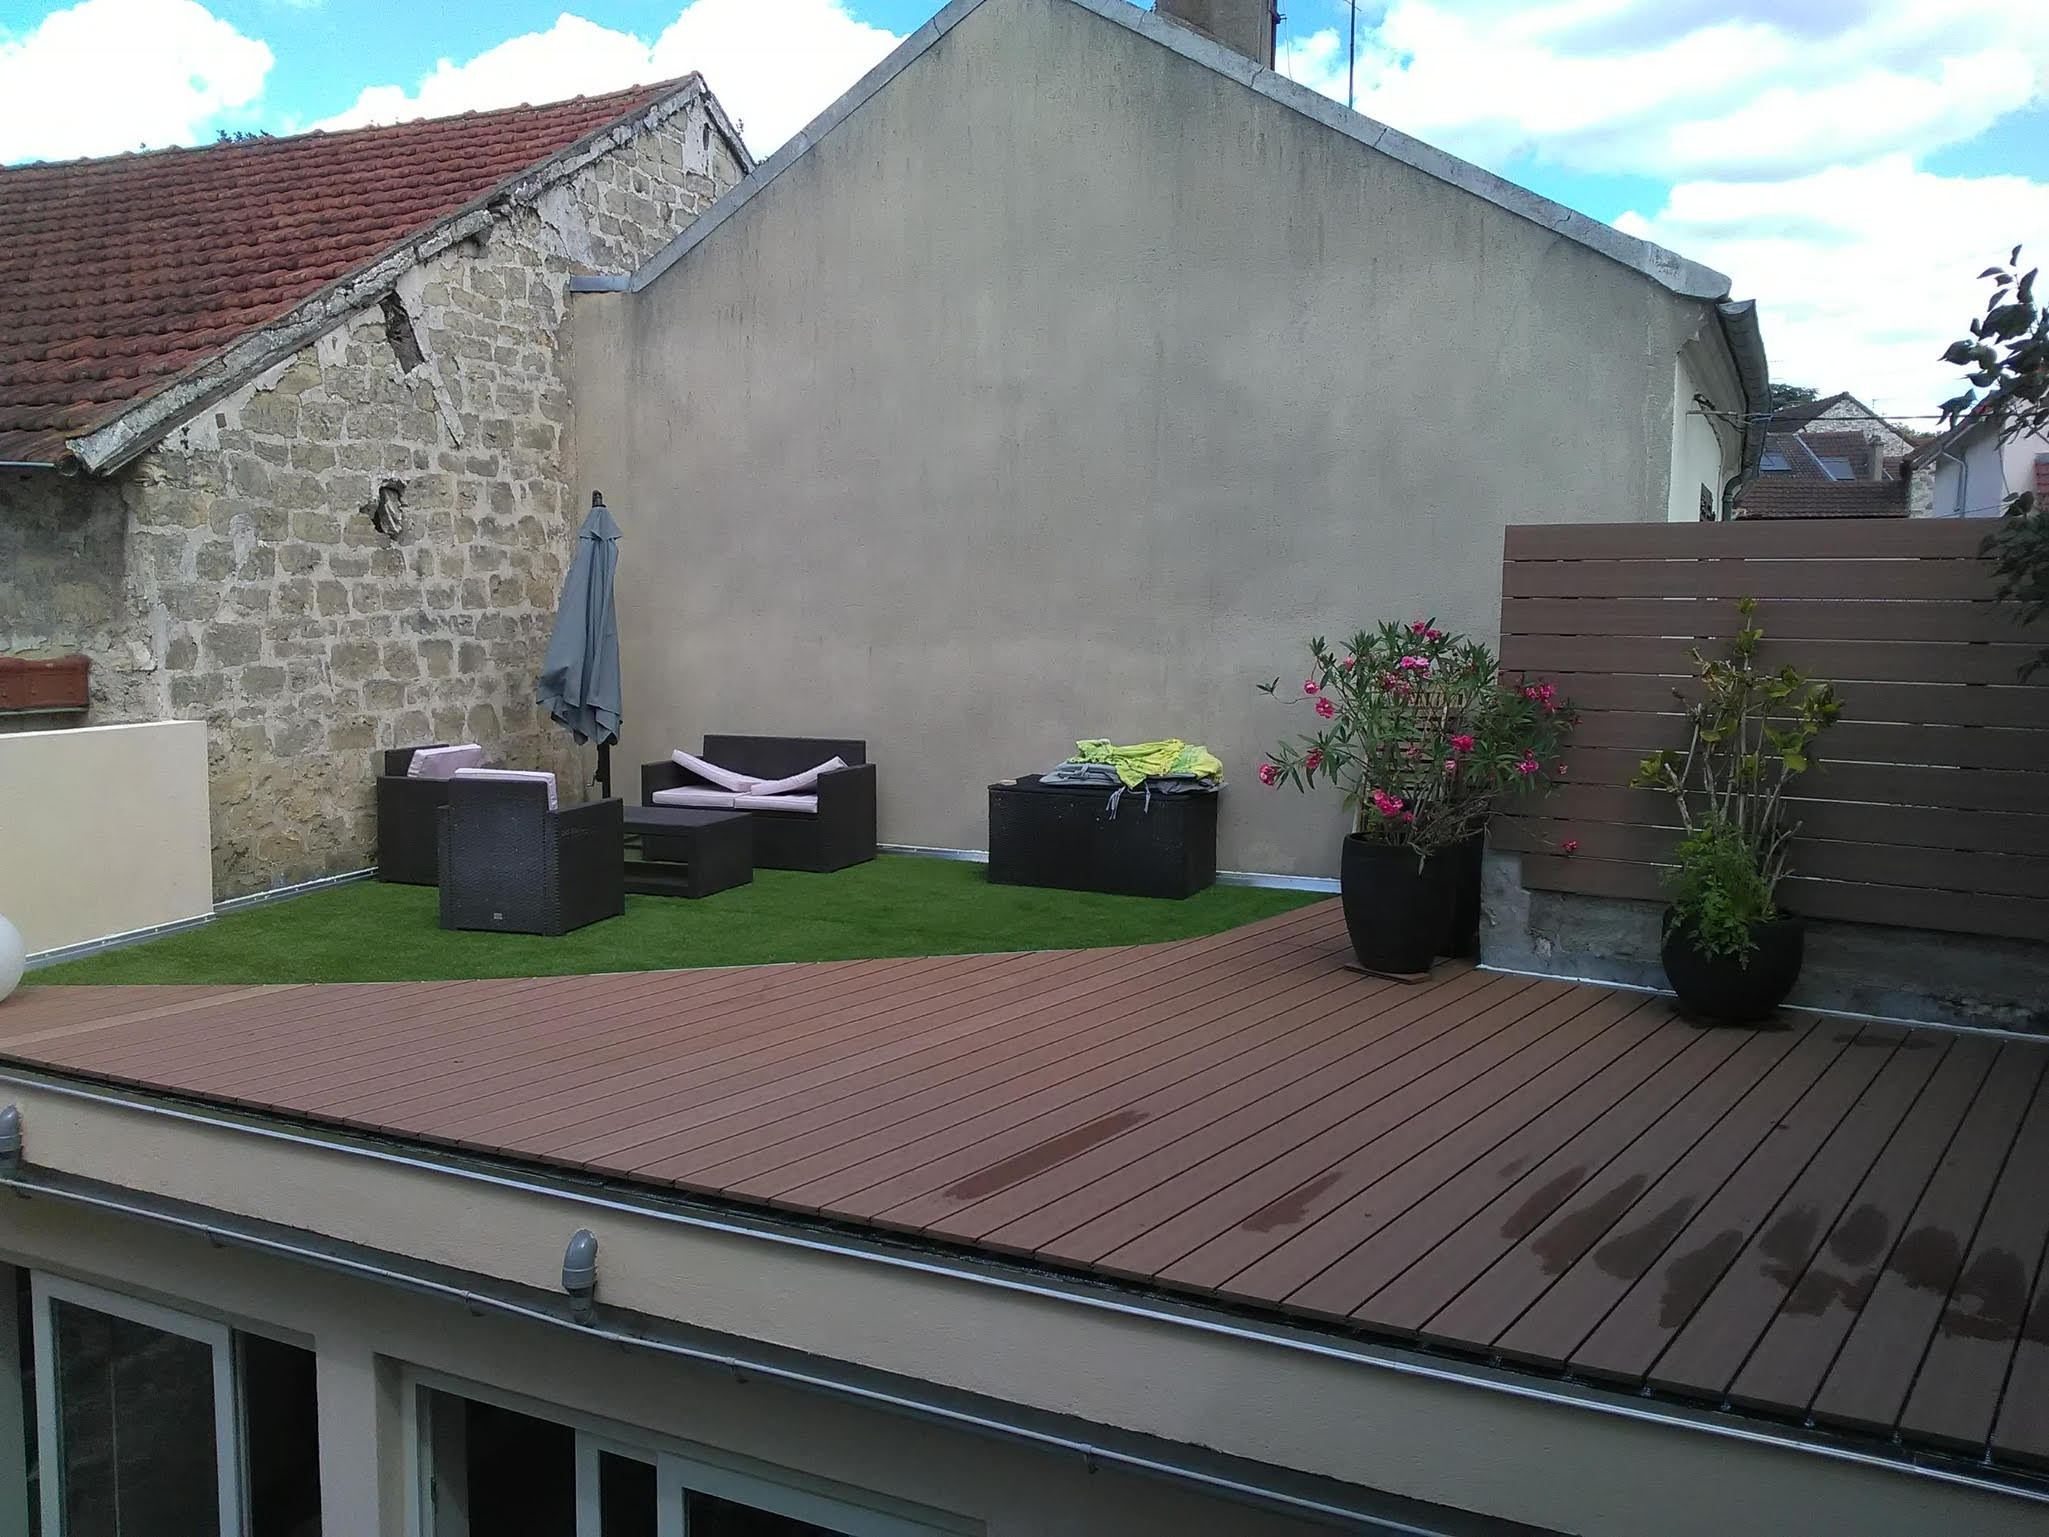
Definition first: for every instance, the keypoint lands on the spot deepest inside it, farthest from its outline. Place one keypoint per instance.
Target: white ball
(12, 955)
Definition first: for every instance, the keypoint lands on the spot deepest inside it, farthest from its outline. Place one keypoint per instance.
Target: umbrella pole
(605, 770)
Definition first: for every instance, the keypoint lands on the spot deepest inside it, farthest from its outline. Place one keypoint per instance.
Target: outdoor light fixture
(10, 1140)
(579, 1271)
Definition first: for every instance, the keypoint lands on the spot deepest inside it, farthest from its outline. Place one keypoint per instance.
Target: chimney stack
(1877, 459)
(1244, 26)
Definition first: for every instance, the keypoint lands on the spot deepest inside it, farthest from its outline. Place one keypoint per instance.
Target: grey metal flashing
(137, 429)
(158, 930)
(1097, 1294)
(1738, 320)
(1266, 1485)
(27, 464)
(1688, 279)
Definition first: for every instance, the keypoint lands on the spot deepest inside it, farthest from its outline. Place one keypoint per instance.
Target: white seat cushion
(530, 776)
(803, 781)
(444, 762)
(725, 779)
(807, 804)
(698, 796)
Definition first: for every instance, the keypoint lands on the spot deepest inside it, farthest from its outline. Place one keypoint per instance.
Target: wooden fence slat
(1783, 619)
(1876, 784)
(1835, 660)
(2015, 875)
(1849, 741)
(1576, 806)
(1949, 912)
(1913, 704)
(1760, 579)
(1863, 540)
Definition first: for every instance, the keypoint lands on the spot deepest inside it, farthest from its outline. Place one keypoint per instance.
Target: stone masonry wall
(233, 573)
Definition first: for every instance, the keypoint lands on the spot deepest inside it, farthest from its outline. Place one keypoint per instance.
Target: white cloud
(1673, 88)
(1863, 273)
(775, 64)
(1788, 134)
(112, 75)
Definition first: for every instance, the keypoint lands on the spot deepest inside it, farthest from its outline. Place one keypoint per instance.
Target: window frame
(45, 1290)
(680, 1465)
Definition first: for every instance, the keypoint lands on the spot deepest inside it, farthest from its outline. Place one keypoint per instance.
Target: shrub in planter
(1425, 740)
(1729, 952)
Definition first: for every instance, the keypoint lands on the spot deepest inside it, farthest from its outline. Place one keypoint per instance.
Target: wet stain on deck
(1989, 1298)
(1289, 1209)
(1561, 1244)
(1628, 1255)
(1690, 1277)
(1041, 1156)
(1537, 1208)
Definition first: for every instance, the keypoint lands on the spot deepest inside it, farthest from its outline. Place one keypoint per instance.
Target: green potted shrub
(1731, 954)
(1425, 740)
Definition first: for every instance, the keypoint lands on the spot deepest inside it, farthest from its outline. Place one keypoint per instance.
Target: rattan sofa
(840, 832)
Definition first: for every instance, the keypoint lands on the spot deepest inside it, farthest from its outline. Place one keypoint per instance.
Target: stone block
(316, 527)
(353, 661)
(383, 694)
(233, 645)
(401, 660)
(263, 682)
(182, 654)
(332, 597)
(298, 558)
(356, 734)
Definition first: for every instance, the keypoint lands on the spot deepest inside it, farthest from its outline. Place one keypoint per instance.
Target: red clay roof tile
(123, 272)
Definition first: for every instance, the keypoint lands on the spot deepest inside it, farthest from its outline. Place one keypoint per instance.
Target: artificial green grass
(370, 932)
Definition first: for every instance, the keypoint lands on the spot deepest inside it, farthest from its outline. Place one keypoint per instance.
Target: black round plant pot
(1733, 990)
(1396, 906)
(1459, 867)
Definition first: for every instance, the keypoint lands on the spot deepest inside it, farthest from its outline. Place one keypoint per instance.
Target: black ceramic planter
(1397, 907)
(1459, 867)
(1731, 990)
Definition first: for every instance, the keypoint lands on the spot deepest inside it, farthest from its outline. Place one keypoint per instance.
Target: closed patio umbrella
(580, 674)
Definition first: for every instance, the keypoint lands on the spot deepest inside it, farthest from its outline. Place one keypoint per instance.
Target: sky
(1851, 164)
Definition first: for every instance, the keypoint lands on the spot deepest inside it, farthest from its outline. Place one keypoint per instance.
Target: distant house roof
(125, 274)
(1822, 475)
(1793, 418)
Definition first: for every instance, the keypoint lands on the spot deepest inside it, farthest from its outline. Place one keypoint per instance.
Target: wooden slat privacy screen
(1929, 807)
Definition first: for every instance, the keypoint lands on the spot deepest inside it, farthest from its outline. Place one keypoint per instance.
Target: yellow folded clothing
(1168, 759)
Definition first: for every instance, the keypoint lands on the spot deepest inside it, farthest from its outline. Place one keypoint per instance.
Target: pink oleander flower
(1560, 771)
(1412, 750)
(1387, 805)
(1269, 774)
(1408, 816)
(1546, 691)
(1433, 635)
(1529, 691)
(1325, 708)
(1313, 759)
(1414, 664)
(1527, 766)
(1462, 744)
(1569, 846)
(1451, 766)
(1351, 662)
(1419, 627)
(1309, 685)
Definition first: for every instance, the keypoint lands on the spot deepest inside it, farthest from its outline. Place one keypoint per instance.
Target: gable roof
(126, 274)
(1665, 268)
(1792, 418)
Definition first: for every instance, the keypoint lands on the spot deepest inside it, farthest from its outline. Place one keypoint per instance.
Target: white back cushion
(725, 779)
(443, 762)
(532, 776)
(803, 781)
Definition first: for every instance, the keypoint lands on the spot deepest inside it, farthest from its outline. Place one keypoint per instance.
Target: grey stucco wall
(1065, 389)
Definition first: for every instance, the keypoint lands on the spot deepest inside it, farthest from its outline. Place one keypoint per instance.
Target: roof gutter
(1102, 1296)
(136, 430)
(1738, 320)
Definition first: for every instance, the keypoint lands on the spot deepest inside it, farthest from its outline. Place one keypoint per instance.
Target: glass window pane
(135, 1428)
(281, 1408)
(706, 1515)
(521, 1473)
(626, 1496)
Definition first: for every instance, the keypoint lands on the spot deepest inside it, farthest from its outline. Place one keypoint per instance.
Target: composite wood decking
(1832, 1220)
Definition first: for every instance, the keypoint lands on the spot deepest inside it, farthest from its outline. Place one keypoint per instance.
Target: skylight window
(1837, 466)
(1774, 460)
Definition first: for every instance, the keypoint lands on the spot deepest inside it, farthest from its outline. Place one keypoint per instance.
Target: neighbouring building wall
(1067, 388)
(232, 573)
(1849, 416)
(1706, 447)
(103, 831)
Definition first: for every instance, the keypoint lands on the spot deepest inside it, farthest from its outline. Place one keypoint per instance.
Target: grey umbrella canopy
(580, 675)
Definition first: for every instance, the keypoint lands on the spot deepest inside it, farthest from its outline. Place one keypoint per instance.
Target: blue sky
(1850, 163)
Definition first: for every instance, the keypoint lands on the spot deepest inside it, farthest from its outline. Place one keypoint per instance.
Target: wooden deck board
(1832, 1218)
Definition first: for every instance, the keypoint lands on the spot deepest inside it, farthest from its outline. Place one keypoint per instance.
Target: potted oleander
(1425, 740)
(1731, 953)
